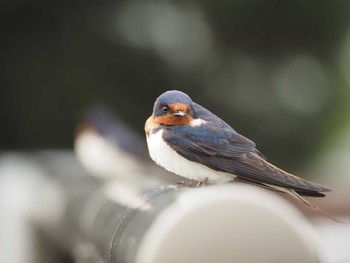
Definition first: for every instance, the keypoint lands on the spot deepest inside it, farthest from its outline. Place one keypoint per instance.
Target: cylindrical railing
(226, 223)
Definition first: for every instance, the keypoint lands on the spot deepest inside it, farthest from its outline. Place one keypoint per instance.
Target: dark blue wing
(225, 132)
(223, 149)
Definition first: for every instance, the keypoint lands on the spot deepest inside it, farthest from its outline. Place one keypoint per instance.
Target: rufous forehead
(178, 107)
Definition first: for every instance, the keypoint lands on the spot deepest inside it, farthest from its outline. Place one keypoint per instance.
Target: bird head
(173, 108)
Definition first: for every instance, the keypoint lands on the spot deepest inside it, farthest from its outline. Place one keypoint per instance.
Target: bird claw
(184, 184)
(203, 182)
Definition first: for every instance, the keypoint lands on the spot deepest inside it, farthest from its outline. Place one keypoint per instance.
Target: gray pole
(128, 223)
(225, 223)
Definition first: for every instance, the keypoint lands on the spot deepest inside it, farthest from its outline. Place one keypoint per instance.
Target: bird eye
(165, 108)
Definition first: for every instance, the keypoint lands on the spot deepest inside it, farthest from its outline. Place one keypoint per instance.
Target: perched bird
(185, 138)
(110, 150)
(106, 146)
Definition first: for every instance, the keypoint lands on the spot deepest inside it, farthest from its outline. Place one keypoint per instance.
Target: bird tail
(294, 194)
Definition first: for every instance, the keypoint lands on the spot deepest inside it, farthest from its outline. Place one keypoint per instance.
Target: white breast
(169, 159)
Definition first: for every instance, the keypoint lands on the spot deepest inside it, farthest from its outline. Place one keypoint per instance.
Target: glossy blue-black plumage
(170, 97)
(217, 145)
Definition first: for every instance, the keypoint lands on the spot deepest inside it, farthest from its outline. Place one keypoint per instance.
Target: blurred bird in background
(113, 153)
(106, 146)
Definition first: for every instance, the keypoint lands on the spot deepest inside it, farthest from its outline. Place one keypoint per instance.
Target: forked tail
(294, 194)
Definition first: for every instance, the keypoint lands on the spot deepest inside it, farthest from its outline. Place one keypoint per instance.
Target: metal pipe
(134, 223)
(226, 223)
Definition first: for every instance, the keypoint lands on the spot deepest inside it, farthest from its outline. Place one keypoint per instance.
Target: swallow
(110, 150)
(186, 139)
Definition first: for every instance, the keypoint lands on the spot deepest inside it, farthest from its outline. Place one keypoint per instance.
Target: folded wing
(223, 149)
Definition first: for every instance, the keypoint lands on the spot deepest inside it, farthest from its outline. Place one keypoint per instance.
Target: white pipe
(229, 223)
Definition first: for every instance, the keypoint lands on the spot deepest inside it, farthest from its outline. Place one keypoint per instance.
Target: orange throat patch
(170, 119)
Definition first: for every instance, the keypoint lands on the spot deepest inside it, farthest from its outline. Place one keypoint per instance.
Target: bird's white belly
(169, 159)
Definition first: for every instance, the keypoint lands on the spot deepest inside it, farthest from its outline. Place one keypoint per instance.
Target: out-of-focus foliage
(277, 71)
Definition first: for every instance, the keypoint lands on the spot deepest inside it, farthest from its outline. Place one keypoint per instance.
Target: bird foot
(203, 182)
(184, 184)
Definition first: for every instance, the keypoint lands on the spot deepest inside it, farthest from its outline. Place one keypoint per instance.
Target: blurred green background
(277, 71)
